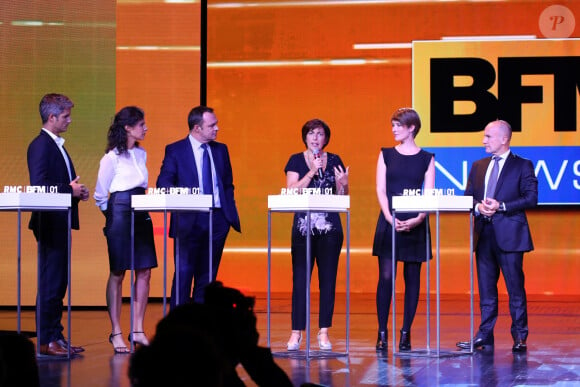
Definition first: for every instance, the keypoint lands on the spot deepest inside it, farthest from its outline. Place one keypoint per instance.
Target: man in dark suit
(183, 166)
(502, 234)
(50, 165)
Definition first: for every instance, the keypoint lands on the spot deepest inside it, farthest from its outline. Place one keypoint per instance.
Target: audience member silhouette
(202, 344)
(17, 361)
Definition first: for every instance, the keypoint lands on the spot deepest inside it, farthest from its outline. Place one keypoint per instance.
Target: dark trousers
(52, 284)
(490, 261)
(194, 257)
(325, 251)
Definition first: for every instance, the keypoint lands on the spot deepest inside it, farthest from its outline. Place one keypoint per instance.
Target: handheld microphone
(316, 154)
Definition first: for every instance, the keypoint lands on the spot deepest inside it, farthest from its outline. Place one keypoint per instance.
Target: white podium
(174, 203)
(309, 204)
(28, 202)
(436, 204)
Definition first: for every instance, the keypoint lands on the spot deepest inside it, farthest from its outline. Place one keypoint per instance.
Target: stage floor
(553, 356)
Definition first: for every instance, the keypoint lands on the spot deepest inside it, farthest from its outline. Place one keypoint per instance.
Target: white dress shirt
(198, 154)
(501, 162)
(120, 172)
(60, 143)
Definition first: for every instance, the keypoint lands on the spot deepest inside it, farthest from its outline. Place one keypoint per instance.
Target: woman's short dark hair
(408, 117)
(117, 136)
(313, 124)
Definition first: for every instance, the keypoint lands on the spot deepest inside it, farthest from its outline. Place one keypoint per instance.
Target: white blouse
(120, 172)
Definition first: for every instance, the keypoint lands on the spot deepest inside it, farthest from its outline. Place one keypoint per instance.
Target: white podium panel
(26, 202)
(34, 201)
(171, 202)
(308, 204)
(436, 204)
(432, 203)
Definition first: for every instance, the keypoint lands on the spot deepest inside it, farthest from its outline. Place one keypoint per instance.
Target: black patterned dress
(326, 242)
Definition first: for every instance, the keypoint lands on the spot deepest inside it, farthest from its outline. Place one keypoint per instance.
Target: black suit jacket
(517, 187)
(179, 170)
(46, 167)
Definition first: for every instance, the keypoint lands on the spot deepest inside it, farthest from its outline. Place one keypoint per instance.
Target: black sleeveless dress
(403, 172)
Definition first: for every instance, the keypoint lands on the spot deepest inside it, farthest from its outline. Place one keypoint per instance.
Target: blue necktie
(492, 181)
(207, 182)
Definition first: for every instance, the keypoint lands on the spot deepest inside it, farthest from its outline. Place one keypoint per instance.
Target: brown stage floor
(553, 356)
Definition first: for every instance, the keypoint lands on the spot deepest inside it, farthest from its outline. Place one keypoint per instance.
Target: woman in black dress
(315, 168)
(123, 173)
(406, 166)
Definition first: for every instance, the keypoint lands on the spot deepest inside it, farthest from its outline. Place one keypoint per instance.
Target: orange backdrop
(271, 68)
(272, 65)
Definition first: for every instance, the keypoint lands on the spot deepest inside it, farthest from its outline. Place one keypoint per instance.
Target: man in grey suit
(184, 165)
(503, 187)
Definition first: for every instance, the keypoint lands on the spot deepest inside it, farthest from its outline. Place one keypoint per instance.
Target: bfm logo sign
(511, 93)
(496, 89)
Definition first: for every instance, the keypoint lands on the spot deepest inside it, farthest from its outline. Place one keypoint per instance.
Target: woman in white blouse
(123, 173)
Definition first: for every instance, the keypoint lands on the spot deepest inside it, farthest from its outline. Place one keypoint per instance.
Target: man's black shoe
(478, 342)
(519, 346)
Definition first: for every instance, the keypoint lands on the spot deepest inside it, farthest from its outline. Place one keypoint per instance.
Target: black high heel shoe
(136, 341)
(405, 341)
(382, 344)
(118, 350)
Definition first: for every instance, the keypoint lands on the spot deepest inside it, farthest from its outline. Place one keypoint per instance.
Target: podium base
(315, 354)
(431, 353)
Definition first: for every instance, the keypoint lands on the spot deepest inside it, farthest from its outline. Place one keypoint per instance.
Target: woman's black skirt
(118, 232)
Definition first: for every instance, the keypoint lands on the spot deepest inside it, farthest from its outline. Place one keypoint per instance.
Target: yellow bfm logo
(459, 86)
